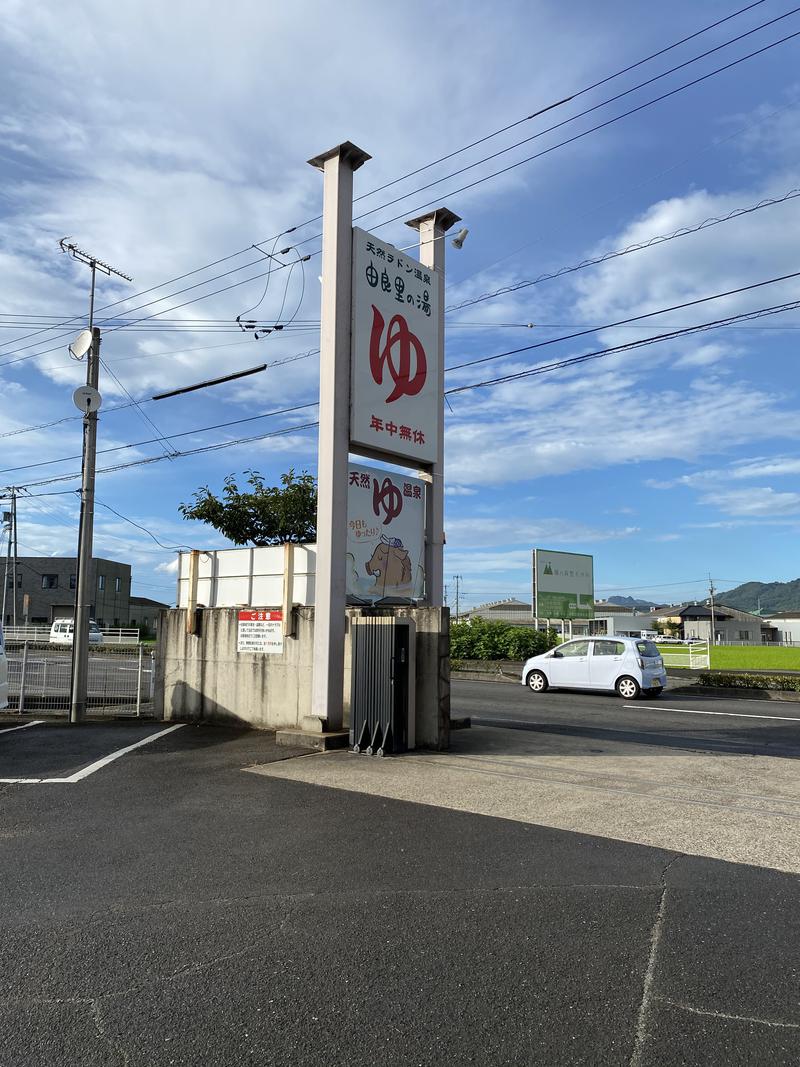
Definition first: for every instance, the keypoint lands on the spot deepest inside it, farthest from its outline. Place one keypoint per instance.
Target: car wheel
(537, 682)
(628, 688)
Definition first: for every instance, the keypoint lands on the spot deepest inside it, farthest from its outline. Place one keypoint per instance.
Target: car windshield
(647, 649)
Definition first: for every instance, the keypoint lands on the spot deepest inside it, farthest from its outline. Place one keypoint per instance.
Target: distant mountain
(775, 596)
(629, 602)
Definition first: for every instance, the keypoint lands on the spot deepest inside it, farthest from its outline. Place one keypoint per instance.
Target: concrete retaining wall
(202, 677)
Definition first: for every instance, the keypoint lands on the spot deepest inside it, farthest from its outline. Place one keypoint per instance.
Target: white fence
(121, 680)
(111, 635)
(693, 654)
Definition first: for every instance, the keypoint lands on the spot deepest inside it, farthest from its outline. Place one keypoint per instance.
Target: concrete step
(321, 742)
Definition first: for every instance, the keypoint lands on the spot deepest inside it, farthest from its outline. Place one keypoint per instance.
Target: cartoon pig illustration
(390, 564)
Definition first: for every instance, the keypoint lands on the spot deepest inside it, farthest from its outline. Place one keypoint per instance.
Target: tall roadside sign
(382, 397)
(563, 585)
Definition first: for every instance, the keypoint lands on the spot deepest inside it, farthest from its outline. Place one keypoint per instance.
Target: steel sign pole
(83, 589)
(327, 684)
(432, 228)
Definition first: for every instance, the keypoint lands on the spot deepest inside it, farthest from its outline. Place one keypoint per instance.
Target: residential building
(144, 615)
(785, 626)
(731, 625)
(49, 584)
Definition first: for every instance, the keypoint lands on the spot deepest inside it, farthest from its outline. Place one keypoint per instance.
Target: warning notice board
(260, 631)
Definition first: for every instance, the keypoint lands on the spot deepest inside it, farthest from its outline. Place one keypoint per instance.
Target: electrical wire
(148, 400)
(650, 242)
(573, 361)
(632, 318)
(485, 178)
(536, 370)
(585, 133)
(169, 548)
(170, 437)
(142, 414)
(573, 118)
(549, 107)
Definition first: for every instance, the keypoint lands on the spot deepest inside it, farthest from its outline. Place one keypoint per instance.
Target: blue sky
(165, 139)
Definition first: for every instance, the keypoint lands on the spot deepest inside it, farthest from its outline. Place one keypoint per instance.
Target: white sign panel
(395, 401)
(260, 631)
(563, 584)
(385, 535)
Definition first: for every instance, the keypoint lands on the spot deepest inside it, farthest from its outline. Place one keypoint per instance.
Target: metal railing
(693, 654)
(121, 680)
(112, 635)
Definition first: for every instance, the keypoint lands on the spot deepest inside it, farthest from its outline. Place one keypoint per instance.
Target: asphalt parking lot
(187, 902)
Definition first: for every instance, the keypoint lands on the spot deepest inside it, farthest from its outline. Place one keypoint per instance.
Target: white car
(628, 665)
(61, 632)
(3, 671)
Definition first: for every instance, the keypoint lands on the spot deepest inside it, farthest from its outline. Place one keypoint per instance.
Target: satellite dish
(81, 345)
(86, 399)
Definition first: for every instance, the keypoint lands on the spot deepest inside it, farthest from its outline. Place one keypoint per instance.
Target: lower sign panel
(260, 631)
(385, 536)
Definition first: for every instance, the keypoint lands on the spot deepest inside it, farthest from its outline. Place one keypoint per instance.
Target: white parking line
(726, 714)
(25, 725)
(78, 776)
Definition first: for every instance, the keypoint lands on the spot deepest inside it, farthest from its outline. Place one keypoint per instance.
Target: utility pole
(83, 586)
(89, 403)
(15, 554)
(711, 592)
(457, 578)
(7, 575)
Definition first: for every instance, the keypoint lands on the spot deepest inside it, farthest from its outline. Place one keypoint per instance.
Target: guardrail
(112, 635)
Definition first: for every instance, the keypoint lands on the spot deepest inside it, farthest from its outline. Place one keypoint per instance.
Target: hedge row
(482, 640)
(722, 680)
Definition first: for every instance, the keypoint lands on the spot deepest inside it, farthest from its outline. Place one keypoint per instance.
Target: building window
(117, 585)
(116, 621)
(73, 581)
(49, 581)
(11, 582)
(101, 582)
(744, 635)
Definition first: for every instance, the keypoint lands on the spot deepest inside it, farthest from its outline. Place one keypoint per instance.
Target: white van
(628, 665)
(62, 629)
(3, 671)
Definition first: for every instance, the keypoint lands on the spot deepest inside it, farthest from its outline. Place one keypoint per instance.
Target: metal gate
(382, 685)
(121, 679)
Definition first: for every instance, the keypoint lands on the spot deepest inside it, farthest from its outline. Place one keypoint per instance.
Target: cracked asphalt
(171, 909)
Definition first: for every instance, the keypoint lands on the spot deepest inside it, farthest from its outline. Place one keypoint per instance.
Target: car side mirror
(558, 655)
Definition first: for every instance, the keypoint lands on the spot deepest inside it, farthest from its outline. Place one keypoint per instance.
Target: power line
(631, 319)
(475, 385)
(169, 548)
(650, 242)
(630, 346)
(170, 437)
(585, 133)
(177, 455)
(549, 107)
(485, 178)
(499, 355)
(573, 118)
(147, 400)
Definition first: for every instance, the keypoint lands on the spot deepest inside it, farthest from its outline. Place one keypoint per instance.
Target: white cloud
(509, 530)
(168, 568)
(755, 502)
(537, 427)
(459, 490)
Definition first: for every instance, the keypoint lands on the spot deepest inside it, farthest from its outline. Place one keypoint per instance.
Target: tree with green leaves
(262, 514)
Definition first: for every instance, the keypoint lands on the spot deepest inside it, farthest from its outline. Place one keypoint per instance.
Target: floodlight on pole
(460, 238)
